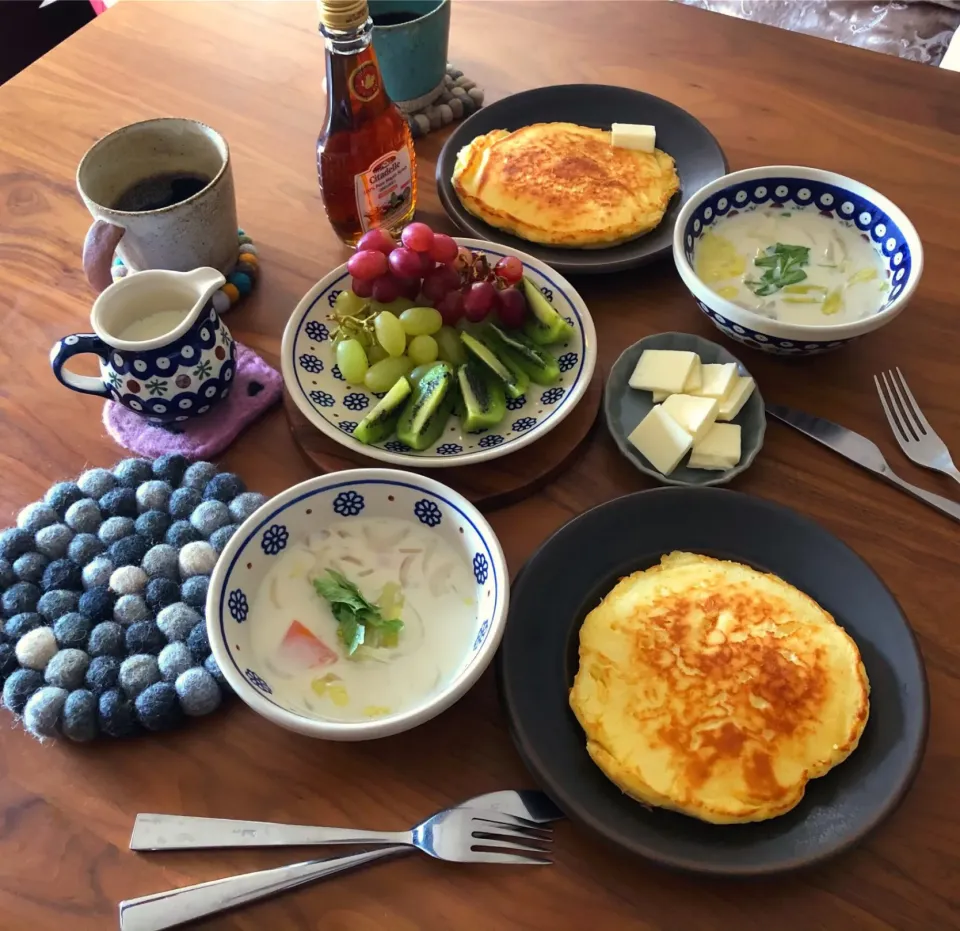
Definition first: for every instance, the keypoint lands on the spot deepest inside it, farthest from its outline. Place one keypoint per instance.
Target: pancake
(560, 184)
(715, 690)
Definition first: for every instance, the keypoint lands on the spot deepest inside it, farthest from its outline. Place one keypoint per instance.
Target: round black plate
(578, 565)
(697, 154)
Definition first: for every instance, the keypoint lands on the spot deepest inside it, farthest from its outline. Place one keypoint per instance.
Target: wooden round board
(489, 485)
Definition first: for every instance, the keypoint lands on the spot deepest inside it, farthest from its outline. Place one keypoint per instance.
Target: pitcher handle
(98, 248)
(76, 345)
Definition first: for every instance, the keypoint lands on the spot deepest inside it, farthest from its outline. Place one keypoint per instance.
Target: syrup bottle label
(384, 189)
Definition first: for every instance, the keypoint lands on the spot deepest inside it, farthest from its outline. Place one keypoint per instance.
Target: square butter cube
(719, 449)
(641, 137)
(694, 379)
(717, 379)
(695, 415)
(732, 404)
(661, 440)
(659, 396)
(663, 370)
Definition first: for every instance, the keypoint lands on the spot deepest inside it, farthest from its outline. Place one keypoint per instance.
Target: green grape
(376, 353)
(396, 307)
(419, 372)
(390, 333)
(347, 304)
(421, 321)
(450, 346)
(383, 375)
(352, 361)
(422, 349)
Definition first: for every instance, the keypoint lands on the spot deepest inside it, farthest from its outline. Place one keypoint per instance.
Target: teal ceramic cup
(410, 38)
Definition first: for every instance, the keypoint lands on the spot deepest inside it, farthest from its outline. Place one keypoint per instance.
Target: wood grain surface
(489, 485)
(253, 71)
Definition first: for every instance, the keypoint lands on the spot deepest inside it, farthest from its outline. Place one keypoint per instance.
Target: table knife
(857, 449)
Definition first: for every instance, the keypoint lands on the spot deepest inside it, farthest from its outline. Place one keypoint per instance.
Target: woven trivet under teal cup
(241, 279)
(103, 589)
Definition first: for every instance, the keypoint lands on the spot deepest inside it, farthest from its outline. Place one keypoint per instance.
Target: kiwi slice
(514, 382)
(519, 351)
(428, 408)
(484, 402)
(383, 419)
(544, 326)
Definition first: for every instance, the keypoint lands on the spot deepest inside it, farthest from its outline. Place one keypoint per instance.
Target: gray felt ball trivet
(103, 586)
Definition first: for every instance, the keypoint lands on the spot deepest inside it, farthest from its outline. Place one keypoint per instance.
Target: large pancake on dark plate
(560, 184)
(715, 690)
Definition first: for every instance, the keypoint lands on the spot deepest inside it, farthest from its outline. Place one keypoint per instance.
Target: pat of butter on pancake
(715, 690)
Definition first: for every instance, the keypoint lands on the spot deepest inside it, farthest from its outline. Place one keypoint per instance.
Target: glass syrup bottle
(365, 157)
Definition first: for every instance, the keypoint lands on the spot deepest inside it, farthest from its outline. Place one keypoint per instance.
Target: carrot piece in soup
(302, 649)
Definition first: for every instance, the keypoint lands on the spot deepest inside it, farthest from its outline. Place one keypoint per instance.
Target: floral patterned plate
(314, 381)
(299, 511)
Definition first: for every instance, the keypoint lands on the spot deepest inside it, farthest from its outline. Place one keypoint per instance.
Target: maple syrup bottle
(365, 157)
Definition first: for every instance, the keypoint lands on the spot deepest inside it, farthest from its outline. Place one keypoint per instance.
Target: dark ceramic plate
(568, 576)
(624, 407)
(697, 154)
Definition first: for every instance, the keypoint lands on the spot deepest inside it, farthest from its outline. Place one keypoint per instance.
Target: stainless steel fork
(913, 431)
(463, 835)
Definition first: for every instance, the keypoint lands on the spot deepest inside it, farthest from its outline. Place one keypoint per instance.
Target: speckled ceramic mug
(197, 231)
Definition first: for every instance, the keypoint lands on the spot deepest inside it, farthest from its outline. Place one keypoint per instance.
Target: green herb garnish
(782, 265)
(361, 622)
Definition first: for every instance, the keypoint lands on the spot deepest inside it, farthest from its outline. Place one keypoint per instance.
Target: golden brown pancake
(564, 185)
(715, 690)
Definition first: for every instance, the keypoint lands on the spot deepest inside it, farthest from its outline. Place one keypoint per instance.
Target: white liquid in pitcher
(153, 325)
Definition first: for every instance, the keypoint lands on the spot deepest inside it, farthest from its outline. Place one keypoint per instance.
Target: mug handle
(99, 245)
(76, 345)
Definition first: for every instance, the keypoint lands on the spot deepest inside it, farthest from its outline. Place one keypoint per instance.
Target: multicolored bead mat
(240, 280)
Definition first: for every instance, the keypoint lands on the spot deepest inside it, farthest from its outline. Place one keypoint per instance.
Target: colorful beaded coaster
(453, 99)
(103, 588)
(241, 279)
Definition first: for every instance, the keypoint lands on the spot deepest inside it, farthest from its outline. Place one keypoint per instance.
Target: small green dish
(624, 407)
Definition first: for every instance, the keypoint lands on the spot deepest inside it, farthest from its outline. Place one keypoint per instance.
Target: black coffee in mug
(159, 191)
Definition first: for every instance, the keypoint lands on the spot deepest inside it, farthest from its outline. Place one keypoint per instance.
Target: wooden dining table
(254, 71)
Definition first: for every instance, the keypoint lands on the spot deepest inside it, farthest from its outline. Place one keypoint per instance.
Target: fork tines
(901, 407)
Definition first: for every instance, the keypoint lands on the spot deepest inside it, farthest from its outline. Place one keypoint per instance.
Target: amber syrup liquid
(363, 125)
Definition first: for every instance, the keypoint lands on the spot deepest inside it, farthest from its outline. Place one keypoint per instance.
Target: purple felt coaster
(256, 387)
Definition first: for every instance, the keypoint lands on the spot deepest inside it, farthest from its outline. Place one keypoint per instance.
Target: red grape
(444, 248)
(410, 287)
(513, 308)
(439, 281)
(510, 269)
(417, 236)
(386, 289)
(479, 300)
(362, 287)
(451, 307)
(405, 263)
(426, 263)
(367, 264)
(377, 241)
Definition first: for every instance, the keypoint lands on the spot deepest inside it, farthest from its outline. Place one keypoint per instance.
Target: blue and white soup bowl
(313, 379)
(182, 359)
(311, 506)
(848, 202)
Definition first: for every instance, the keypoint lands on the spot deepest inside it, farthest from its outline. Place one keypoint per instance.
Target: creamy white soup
(421, 593)
(797, 266)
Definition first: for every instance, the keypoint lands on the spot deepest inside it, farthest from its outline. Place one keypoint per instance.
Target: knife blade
(858, 449)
